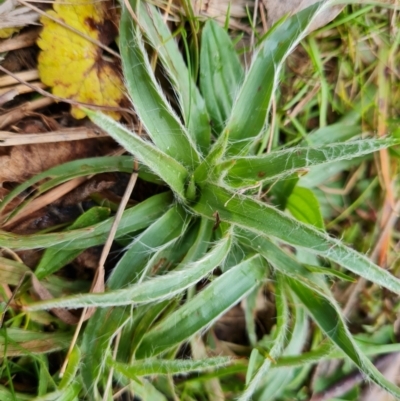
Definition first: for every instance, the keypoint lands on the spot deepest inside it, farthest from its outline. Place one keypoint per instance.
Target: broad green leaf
(327, 315)
(133, 219)
(156, 289)
(190, 99)
(162, 164)
(265, 220)
(334, 133)
(252, 103)
(54, 259)
(150, 367)
(304, 206)
(280, 164)
(204, 308)
(159, 119)
(221, 73)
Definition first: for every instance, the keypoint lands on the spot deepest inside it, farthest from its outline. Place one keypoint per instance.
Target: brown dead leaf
(43, 293)
(276, 9)
(19, 163)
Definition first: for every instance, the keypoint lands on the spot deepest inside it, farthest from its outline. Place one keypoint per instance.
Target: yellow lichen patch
(73, 66)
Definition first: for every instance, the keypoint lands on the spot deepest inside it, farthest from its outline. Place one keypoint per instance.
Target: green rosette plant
(209, 150)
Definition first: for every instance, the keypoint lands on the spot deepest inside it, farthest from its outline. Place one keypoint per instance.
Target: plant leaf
(158, 118)
(252, 104)
(190, 100)
(203, 309)
(54, 259)
(165, 166)
(73, 65)
(154, 290)
(304, 206)
(265, 220)
(278, 344)
(134, 219)
(326, 314)
(221, 73)
(168, 367)
(283, 163)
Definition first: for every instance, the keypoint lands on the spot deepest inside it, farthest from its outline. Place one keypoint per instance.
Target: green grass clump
(222, 220)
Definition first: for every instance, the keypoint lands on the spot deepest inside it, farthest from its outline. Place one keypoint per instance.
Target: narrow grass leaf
(136, 334)
(252, 104)
(283, 262)
(69, 393)
(168, 367)
(96, 343)
(11, 271)
(283, 163)
(146, 391)
(158, 118)
(327, 315)
(191, 102)
(67, 171)
(133, 219)
(169, 227)
(204, 308)
(276, 381)
(282, 311)
(266, 220)
(17, 342)
(74, 361)
(6, 394)
(165, 166)
(54, 259)
(154, 290)
(221, 73)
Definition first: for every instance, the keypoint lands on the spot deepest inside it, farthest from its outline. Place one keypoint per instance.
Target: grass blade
(77, 168)
(17, 342)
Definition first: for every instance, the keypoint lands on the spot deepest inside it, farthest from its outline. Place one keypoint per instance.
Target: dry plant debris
(13, 17)
(72, 64)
